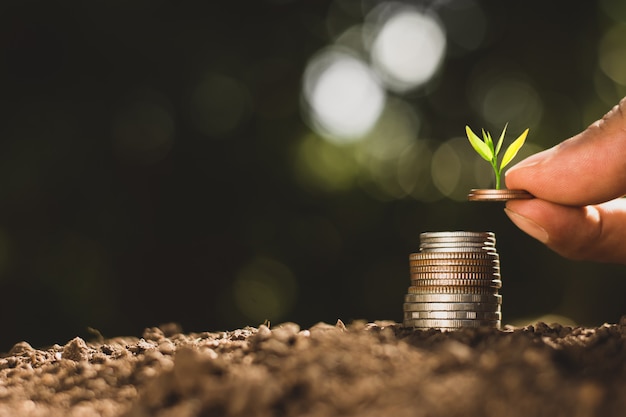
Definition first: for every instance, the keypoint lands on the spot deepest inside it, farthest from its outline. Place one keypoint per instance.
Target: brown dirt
(366, 369)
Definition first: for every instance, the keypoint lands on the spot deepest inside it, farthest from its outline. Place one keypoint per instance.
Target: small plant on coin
(486, 149)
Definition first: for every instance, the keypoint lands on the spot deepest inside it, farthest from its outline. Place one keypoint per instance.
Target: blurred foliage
(154, 153)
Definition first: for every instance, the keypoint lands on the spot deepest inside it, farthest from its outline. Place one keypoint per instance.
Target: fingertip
(565, 229)
(524, 174)
(527, 225)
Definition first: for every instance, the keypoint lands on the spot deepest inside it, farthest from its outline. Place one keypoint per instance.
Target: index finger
(589, 168)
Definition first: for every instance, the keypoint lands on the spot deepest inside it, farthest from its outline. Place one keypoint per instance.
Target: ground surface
(375, 369)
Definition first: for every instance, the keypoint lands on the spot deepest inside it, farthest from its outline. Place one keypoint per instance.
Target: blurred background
(219, 164)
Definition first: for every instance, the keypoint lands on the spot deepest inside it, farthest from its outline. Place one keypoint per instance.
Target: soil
(364, 369)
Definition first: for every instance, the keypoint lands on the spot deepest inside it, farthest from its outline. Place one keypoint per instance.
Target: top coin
(498, 195)
(457, 234)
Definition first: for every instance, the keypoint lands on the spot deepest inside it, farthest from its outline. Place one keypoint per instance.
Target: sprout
(486, 150)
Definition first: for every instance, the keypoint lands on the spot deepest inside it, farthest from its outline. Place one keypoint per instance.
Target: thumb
(588, 168)
(590, 232)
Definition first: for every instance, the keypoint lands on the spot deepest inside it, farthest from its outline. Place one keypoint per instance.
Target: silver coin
(456, 245)
(458, 233)
(452, 306)
(453, 298)
(453, 315)
(458, 236)
(464, 249)
(452, 262)
(450, 324)
(451, 241)
(456, 275)
(469, 247)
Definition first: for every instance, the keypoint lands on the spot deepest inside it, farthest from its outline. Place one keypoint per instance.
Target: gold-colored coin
(490, 283)
(498, 195)
(472, 276)
(452, 289)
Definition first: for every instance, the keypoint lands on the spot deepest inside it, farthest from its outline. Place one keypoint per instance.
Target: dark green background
(94, 237)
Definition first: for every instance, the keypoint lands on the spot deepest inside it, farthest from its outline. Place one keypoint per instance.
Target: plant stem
(496, 173)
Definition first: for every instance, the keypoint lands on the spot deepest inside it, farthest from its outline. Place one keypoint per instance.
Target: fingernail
(528, 226)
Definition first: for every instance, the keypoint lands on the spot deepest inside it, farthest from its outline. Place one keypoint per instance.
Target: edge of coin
(487, 194)
(453, 298)
(449, 324)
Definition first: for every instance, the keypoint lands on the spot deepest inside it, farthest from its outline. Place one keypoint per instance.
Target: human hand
(578, 184)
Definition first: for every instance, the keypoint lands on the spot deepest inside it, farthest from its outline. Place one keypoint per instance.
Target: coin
(456, 282)
(459, 284)
(450, 324)
(485, 269)
(498, 195)
(453, 255)
(458, 233)
(453, 315)
(440, 289)
(457, 242)
(453, 298)
(451, 306)
(462, 249)
(478, 276)
(453, 238)
(416, 263)
(456, 247)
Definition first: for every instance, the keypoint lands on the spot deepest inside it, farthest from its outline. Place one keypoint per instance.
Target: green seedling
(485, 148)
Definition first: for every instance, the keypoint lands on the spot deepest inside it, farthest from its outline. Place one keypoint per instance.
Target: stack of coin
(455, 278)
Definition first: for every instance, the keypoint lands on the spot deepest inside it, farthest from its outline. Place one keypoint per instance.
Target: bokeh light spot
(324, 165)
(614, 9)
(396, 129)
(265, 289)
(446, 169)
(613, 54)
(343, 97)
(408, 48)
(506, 98)
(378, 154)
(414, 171)
(220, 105)
(454, 170)
(466, 25)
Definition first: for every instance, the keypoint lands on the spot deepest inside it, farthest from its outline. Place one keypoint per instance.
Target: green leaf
(479, 146)
(499, 145)
(487, 140)
(512, 150)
